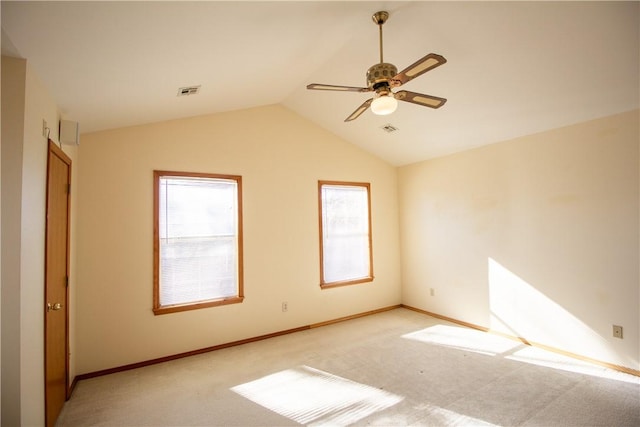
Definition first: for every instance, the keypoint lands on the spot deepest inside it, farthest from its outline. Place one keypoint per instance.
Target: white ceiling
(514, 68)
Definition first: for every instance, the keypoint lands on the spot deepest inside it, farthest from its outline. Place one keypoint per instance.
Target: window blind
(345, 233)
(198, 239)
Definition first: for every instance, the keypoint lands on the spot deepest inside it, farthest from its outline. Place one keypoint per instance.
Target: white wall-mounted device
(69, 132)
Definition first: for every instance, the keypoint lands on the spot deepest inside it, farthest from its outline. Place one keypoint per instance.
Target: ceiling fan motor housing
(382, 72)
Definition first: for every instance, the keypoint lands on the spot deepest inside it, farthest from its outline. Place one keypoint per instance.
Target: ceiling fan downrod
(380, 18)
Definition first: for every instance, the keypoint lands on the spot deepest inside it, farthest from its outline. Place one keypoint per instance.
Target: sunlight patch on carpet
(425, 414)
(540, 357)
(313, 397)
(464, 339)
(445, 417)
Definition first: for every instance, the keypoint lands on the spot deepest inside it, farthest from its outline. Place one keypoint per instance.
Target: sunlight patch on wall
(464, 339)
(313, 397)
(518, 309)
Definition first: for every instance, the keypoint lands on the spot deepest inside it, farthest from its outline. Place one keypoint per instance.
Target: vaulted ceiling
(513, 68)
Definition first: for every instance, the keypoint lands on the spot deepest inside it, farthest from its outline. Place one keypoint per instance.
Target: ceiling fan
(382, 77)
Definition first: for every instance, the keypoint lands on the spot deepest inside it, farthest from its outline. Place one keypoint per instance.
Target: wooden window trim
(369, 278)
(166, 309)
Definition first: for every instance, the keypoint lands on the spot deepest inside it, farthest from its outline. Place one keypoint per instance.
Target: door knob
(54, 307)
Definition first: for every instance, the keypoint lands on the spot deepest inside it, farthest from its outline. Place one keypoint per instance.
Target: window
(345, 233)
(197, 241)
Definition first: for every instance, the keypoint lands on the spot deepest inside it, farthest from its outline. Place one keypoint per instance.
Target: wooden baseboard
(72, 387)
(354, 316)
(185, 354)
(529, 343)
(219, 347)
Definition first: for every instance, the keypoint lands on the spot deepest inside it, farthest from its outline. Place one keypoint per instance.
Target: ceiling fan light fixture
(384, 105)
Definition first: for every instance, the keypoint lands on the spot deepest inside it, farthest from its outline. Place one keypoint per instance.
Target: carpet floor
(394, 368)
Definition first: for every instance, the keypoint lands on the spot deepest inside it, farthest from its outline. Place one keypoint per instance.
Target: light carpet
(394, 368)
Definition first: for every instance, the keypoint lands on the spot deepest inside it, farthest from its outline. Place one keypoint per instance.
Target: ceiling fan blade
(419, 67)
(420, 99)
(361, 109)
(317, 86)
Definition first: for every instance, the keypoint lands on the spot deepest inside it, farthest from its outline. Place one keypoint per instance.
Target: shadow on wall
(518, 309)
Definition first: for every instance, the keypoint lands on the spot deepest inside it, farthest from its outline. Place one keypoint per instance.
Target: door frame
(54, 150)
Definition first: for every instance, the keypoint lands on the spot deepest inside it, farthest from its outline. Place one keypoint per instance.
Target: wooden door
(56, 282)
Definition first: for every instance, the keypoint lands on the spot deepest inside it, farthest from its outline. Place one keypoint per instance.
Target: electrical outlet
(432, 292)
(285, 306)
(617, 331)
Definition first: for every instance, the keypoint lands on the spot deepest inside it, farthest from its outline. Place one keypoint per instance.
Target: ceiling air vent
(188, 90)
(389, 128)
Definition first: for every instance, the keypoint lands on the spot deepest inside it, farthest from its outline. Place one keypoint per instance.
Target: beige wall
(13, 84)
(280, 157)
(24, 154)
(536, 237)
